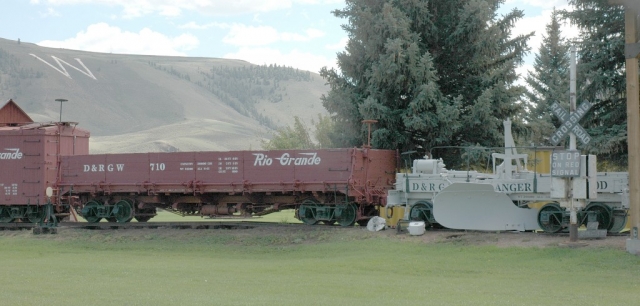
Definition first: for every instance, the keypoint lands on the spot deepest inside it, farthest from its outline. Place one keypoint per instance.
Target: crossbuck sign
(570, 123)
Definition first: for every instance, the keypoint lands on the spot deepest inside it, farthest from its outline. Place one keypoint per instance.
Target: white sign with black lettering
(570, 123)
(565, 163)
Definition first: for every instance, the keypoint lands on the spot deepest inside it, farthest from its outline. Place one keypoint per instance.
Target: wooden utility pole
(632, 53)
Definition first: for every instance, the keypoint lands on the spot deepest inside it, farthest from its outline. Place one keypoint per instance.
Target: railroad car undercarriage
(310, 208)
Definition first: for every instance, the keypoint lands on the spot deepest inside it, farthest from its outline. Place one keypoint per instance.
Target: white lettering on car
(307, 159)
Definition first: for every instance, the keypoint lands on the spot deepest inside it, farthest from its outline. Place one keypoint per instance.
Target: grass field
(284, 216)
(302, 266)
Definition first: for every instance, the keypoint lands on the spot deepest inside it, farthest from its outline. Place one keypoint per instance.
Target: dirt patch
(498, 239)
(280, 234)
(510, 239)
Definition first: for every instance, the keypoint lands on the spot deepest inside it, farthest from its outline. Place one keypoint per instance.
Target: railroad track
(140, 225)
(225, 225)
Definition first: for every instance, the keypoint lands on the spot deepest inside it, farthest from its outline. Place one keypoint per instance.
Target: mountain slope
(139, 103)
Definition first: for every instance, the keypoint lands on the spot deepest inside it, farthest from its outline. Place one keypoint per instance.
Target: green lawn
(301, 267)
(284, 216)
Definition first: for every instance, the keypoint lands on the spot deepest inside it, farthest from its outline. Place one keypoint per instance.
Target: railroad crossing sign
(570, 123)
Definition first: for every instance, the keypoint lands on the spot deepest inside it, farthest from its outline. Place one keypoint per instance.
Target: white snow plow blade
(475, 206)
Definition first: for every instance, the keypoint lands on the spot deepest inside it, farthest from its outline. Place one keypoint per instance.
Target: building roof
(12, 114)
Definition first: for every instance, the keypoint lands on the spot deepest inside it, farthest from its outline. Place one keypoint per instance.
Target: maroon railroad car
(329, 185)
(29, 163)
(45, 163)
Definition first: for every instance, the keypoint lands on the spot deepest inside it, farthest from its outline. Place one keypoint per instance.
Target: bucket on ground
(416, 228)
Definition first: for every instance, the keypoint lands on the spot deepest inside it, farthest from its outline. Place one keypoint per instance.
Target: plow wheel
(422, 211)
(346, 214)
(306, 212)
(35, 214)
(123, 211)
(5, 215)
(90, 212)
(603, 215)
(550, 218)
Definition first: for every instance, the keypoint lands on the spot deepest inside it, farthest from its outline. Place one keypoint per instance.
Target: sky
(303, 34)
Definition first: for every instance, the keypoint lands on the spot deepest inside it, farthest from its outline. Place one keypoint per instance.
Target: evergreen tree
(601, 76)
(432, 73)
(548, 83)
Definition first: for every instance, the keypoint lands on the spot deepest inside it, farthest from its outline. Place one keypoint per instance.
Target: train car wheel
(35, 215)
(5, 214)
(603, 215)
(143, 218)
(306, 212)
(331, 222)
(422, 211)
(619, 221)
(550, 218)
(123, 211)
(90, 212)
(346, 214)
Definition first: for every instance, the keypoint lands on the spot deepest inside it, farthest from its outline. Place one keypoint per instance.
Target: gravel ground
(299, 233)
(499, 239)
(520, 239)
(319, 233)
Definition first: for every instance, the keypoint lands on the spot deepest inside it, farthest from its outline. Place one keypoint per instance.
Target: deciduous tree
(296, 137)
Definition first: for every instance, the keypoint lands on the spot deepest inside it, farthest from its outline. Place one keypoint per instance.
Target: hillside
(139, 103)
